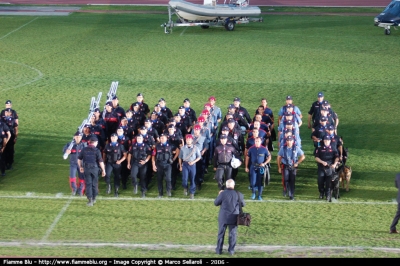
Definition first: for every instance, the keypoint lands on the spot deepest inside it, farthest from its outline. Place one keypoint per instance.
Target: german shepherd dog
(345, 175)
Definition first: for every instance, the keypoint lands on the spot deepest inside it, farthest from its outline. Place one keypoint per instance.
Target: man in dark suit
(397, 216)
(229, 201)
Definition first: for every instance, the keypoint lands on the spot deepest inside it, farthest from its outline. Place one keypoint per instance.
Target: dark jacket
(397, 184)
(229, 210)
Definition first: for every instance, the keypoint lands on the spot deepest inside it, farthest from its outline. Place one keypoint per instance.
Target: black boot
(108, 188)
(116, 192)
(329, 196)
(90, 202)
(321, 195)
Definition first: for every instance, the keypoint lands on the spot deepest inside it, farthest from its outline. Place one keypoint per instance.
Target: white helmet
(235, 163)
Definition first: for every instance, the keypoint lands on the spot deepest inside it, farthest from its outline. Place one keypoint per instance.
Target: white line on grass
(40, 74)
(194, 248)
(183, 31)
(48, 232)
(30, 195)
(18, 28)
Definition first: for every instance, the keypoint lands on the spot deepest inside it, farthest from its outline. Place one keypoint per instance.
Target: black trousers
(289, 179)
(223, 170)
(138, 170)
(92, 181)
(396, 218)
(174, 173)
(163, 173)
(200, 167)
(149, 173)
(2, 163)
(124, 173)
(9, 151)
(324, 181)
(116, 170)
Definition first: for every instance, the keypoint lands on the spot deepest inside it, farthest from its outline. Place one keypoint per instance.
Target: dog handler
(326, 157)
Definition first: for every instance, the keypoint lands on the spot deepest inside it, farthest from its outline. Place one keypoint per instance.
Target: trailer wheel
(230, 25)
(204, 26)
(387, 31)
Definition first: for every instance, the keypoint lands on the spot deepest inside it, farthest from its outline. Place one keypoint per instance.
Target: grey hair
(230, 183)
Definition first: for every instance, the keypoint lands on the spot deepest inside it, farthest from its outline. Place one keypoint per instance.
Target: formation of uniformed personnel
(239, 132)
(89, 161)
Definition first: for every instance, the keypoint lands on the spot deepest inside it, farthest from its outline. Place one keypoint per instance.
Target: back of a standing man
(89, 160)
(396, 218)
(229, 201)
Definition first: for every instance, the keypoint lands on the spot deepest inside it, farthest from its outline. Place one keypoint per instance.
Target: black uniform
(13, 113)
(112, 123)
(143, 107)
(329, 155)
(319, 132)
(91, 157)
(113, 153)
(153, 133)
(187, 124)
(192, 114)
(126, 142)
(315, 111)
(139, 116)
(175, 141)
(120, 112)
(3, 137)
(9, 150)
(182, 128)
(98, 131)
(158, 126)
(162, 117)
(133, 127)
(243, 112)
(163, 160)
(167, 112)
(139, 152)
(149, 140)
(223, 155)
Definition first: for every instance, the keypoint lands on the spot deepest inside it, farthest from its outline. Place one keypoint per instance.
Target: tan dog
(345, 174)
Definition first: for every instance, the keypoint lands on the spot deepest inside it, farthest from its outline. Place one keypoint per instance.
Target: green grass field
(50, 67)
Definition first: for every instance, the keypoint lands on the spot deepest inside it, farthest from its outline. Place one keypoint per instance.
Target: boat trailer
(228, 23)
